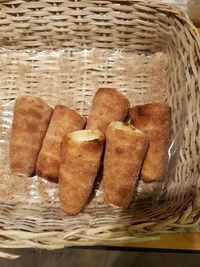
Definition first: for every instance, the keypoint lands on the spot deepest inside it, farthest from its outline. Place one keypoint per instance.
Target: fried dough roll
(80, 158)
(108, 105)
(155, 120)
(30, 123)
(63, 121)
(125, 150)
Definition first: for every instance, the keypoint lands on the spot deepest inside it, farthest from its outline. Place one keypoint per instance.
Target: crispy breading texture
(30, 123)
(81, 154)
(155, 120)
(125, 150)
(63, 121)
(108, 105)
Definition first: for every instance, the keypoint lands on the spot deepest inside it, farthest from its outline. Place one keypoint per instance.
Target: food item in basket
(30, 123)
(155, 120)
(108, 105)
(80, 159)
(63, 121)
(125, 150)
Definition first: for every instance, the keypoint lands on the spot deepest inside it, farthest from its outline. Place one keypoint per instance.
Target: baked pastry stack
(55, 145)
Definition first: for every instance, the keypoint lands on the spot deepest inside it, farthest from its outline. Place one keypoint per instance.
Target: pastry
(80, 159)
(63, 121)
(155, 120)
(125, 150)
(108, 105)
(30, 123)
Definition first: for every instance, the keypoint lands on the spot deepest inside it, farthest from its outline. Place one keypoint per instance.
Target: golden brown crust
(63, 121)
(155, 120)
(108, 105)
(124, 154)
(30, 123)
(78, 169)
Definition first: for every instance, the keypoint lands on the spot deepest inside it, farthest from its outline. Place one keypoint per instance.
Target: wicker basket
(139, 27)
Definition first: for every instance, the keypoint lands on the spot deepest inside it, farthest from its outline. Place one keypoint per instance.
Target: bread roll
(155, 120)
(125, 150)
(108, 105)
(81, 154)
(30, 123)
(63, 121)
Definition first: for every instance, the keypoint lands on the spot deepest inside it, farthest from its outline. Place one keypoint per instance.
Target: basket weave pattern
(134, 27)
